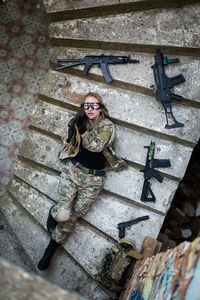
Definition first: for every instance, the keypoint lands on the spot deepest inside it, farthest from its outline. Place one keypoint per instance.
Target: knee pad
(60, 214)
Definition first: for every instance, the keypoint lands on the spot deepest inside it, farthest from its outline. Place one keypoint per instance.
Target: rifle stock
(168, 112)
(146, 190)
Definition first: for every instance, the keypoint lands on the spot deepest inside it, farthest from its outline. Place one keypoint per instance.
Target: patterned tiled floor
(24, 56)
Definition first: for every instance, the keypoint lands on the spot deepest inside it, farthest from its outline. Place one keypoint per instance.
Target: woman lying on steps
(88, 150)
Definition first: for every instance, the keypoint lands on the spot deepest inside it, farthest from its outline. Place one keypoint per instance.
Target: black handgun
(122, 226)
(101, 60)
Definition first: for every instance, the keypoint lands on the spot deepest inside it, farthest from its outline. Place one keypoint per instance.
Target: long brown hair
(104, 111)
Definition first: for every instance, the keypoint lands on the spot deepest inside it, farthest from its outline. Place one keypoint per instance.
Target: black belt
(89, 171)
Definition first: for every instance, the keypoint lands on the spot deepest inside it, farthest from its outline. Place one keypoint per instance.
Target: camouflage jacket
(98, 137)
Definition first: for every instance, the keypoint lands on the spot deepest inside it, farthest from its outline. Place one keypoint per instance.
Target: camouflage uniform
(77, 190)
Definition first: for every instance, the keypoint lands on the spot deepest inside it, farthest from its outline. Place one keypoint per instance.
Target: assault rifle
(149, 172)
(102, 61)
(122, 226)
(164, 85)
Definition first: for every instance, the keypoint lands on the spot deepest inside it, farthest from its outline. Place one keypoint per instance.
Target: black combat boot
(48, 253)
(51, 222)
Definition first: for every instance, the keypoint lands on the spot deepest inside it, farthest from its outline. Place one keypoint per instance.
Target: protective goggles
(93, 105)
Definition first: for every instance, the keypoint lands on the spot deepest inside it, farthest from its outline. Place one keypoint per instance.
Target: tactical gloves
(80, 121)
(81, 124)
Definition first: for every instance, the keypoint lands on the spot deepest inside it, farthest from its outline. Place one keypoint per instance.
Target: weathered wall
(139, 119)
(24, 56)
(168, 275)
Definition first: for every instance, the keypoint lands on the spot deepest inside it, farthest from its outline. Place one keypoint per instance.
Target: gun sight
(167, 61)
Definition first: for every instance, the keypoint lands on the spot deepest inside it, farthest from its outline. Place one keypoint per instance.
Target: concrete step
(46, 180)
(81, 9)
(11, 248)
(64, 270)
(18, 284)
(153, 27)
(58, 6)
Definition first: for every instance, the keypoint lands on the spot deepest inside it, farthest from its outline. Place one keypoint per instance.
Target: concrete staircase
(79, 28)
(16, 283)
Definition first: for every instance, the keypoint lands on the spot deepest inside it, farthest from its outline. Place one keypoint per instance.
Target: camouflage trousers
(77, 190)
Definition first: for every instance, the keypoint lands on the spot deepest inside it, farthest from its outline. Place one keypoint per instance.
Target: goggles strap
(92, 106)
